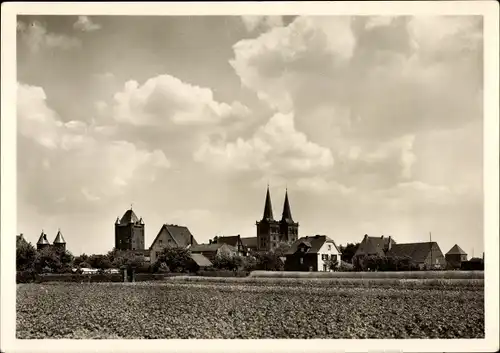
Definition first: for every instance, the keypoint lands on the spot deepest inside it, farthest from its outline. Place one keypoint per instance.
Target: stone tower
(59, 241)
(42, 241)
(289, 229)
(129, 232)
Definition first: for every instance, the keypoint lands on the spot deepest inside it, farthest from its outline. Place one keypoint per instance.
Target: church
(271, 232)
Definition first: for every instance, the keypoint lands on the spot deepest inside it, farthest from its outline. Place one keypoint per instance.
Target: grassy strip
(370, 275)
(338, 282)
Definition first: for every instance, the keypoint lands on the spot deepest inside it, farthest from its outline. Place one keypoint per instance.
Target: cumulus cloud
(79, 152)
(277, 146)
(368, 87)
(85, 24)
(166, 99)
(36, 37)
(253, 23)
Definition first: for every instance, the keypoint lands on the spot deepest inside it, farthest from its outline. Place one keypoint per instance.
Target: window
(333, 257)
(324, 267)
(329, 248)
(301, 260)
(324, 257)
(160, 241)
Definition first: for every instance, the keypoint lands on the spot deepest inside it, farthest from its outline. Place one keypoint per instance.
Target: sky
(373, 124)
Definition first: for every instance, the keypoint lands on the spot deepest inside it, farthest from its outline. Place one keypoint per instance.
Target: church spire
(268, 208)
(287, 213)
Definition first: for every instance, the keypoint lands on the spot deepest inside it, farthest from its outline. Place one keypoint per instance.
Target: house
(171, 235)
(210, 251)
(372, 246)
(311, 254)
(201, 260)
(455, 257)
(250, 243)
(234, 241)
(426, 255)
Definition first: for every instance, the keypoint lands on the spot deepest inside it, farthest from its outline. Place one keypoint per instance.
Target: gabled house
(372, 246)
(210, 251)
(250, 243)
(234, 241)
(311, 254)
(455, 256)
(425, 255)
(171, 235)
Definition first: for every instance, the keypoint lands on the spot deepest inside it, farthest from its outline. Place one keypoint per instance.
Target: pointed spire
(287, 213)
(59, 238)
(42, 239)
(268, 208)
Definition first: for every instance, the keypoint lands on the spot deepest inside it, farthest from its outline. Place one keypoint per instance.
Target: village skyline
(189, 126)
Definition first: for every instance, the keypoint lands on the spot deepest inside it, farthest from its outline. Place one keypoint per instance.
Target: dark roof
(417, 251)
(313, 244)
(59, 238)
(201, 260)
(181, 235)
(456, 250)
(43, 239)
(128, 217)
(229, 240)
(287, 213)
(374, 245)
(206, 247)
(268, 208)
(250, 242)
(476, 259)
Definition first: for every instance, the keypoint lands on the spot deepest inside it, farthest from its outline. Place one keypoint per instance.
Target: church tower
(267, 229)
(288, 228)
(129, 232)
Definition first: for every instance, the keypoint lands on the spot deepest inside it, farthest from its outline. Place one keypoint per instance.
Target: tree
(25, 255)
(348, 251)
(281, 249)
(79, 259)
(226, 261)
(269, 261)
(177, 259)
(52, 259)
(332, 264)
(99, 261)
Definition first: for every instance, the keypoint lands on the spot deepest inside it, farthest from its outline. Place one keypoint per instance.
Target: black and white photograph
(235, 175)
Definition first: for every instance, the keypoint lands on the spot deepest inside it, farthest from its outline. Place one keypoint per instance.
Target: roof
(313, 244)
(456, 250)
(417, 251)
(374, 245)
(207, 247)
(250, 242)
(129, 217)
(287, 213)
(181, 235)
(59, 238)
(43, 239)
(201, 260)
(268, 208)
(229, 240)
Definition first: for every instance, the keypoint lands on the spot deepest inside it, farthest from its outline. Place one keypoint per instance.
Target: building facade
(171, 235)
(312, 254)
(271, 232)
(455, 257)
(129, 232)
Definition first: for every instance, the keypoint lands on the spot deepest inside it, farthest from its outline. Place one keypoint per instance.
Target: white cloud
(165, 99)
(36, 38)
(276, 147)
(85, 156)
(320, 186)
(254, 22)
(85, 24)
